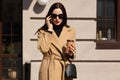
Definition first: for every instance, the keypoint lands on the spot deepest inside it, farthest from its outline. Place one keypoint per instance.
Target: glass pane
(11, 40)
(6, 47)
(106, 8)
(110, 8)
(106, 22)
(12, 68)
(6, 29)
(100, 8)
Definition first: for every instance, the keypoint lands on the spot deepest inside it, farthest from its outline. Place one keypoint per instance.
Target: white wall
(85, 29)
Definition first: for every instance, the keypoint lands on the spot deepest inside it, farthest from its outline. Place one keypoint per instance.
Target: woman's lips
(57, 21)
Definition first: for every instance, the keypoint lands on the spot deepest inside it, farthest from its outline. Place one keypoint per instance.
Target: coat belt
(53, 57)
(51, 64)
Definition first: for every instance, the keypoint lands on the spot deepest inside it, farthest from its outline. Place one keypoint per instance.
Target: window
(11, 40)
(108, 28)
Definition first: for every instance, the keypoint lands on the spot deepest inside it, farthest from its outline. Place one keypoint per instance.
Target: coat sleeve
(73, 37)
(44, 41)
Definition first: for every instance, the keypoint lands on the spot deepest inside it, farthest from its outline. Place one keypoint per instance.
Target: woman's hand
(49, 24)
(70, 49)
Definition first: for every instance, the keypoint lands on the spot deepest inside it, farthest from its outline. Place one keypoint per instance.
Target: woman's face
(57, 16)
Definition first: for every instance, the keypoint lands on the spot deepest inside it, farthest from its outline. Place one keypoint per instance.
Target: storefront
(11, 39)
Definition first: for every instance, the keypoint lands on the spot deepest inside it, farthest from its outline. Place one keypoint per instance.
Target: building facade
(97, 37)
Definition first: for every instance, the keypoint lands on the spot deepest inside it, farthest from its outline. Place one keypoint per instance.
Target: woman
(52, 40)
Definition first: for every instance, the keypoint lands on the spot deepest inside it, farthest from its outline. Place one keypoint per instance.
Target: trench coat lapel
(58, 41)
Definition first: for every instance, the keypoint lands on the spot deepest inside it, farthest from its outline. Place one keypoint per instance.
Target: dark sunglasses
(55, 16)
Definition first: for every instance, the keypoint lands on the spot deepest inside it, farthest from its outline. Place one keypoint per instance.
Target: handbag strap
(63, 58)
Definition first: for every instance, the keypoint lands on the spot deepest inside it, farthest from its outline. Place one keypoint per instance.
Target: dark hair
(55, 6)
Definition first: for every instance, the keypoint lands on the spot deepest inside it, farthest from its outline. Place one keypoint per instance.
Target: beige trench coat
(51, 46)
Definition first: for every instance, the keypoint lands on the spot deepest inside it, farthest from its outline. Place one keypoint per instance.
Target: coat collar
(58, 41)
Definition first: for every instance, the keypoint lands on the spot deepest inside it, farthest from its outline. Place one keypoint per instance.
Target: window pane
(11, 65)
(6, 44)
(110, 8)
(11, 39)
(100, 8)
(106, 8)
(106, 22)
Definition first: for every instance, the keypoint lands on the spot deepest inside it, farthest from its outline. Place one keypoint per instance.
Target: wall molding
(88, 61)
(69, 18)
(76, 40)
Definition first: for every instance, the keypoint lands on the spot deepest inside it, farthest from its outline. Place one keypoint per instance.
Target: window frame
(112, 44)
(0, 41)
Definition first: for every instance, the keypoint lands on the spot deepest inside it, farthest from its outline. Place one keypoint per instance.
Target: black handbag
(70, 71)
